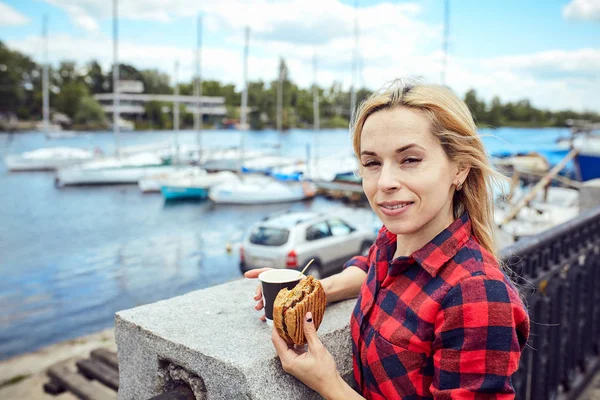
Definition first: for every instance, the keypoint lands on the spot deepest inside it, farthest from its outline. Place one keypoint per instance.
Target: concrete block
(215, 336)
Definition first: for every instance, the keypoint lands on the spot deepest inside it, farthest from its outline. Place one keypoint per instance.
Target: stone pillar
(213, 340)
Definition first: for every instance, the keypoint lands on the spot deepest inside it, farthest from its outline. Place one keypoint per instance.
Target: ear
(462, 171)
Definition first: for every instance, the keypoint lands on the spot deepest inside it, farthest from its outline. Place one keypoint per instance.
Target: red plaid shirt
(444, 323)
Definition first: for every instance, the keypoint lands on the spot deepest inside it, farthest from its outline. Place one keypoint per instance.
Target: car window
(269, 236)
(318, 231)
(339, 227)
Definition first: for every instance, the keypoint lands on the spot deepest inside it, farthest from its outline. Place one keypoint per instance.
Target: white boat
(261, 190)
(47, 159)
(113, 170)
(195, 186)
(152, 183)
(560, 205)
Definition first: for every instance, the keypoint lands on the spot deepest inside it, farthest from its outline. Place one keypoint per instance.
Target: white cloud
(394, 42)
(582, 10)
(11, 17)
(79, 12)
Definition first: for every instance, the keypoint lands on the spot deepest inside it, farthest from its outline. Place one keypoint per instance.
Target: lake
(71, 257)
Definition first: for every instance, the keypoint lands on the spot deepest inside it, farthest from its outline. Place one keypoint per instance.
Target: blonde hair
(453, 125)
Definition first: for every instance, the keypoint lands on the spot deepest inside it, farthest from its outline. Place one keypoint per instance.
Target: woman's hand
(253, 274)
(316, 367)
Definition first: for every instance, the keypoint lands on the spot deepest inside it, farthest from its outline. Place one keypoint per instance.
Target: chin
(401, 228)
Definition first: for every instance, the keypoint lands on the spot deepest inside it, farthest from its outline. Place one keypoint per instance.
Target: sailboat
(260, 189)
(119, 169)
(46, 159)
(196, 184)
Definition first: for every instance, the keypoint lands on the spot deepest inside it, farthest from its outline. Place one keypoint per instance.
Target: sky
(547, 51)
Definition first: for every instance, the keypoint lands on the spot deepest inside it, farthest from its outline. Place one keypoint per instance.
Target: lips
(394, 205)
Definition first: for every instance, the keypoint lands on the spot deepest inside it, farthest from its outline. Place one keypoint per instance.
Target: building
(131, 105)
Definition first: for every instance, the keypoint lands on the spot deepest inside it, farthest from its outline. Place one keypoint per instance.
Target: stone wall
(213, 340)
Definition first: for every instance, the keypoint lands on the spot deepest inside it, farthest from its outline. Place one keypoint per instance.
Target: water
(71, 258)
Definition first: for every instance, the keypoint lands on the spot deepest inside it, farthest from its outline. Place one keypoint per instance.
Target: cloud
(304, 22)
(80, 12)
(551, 65)
(11, 17)
(394, 42)
(585, 10)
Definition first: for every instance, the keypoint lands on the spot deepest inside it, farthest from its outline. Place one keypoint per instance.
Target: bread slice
(290, 308)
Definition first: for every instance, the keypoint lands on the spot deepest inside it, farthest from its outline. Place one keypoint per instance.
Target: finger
(310, 332)
(253, 273)
(281, 347)
(259, 306)
(258, 292)
(263, 317)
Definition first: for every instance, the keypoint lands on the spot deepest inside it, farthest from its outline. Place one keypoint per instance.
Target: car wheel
(315, 270)
(364, 249)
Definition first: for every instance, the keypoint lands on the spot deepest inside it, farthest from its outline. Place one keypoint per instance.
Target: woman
(436, 317)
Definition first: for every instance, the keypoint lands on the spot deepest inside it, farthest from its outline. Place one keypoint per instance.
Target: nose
(388, 181)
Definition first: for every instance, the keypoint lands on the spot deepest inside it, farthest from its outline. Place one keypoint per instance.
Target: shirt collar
(438, 251)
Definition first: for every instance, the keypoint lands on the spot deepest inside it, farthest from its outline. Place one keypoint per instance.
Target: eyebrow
(398, 150)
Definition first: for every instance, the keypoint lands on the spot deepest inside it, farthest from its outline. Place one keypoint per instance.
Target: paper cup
(273, 281)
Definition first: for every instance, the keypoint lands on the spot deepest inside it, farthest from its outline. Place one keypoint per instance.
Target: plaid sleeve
(480, 332)
(361, 262)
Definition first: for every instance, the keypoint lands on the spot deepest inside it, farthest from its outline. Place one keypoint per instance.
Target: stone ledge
(216, 335)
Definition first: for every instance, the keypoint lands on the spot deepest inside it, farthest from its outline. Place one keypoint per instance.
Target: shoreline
(23, 376)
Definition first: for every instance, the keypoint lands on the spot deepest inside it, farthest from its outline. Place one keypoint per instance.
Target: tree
(19, 77)
(89, 111)
(95, 79)
(495, 112)
(155, 82)
(70, 96)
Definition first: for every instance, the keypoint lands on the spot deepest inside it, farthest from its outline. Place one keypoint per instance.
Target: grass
(15, 379)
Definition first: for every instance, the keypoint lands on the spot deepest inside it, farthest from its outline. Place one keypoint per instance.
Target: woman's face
(407, 177)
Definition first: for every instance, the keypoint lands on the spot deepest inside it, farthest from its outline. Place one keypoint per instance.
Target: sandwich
(291, 306)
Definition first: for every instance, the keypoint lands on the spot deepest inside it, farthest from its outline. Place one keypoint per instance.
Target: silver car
(291, 240)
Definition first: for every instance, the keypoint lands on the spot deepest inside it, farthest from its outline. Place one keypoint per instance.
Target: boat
(546, 210)
(585, 137)
(113, 170)
(47, 159)
(261, 190)
(195, 186)
(152, 183)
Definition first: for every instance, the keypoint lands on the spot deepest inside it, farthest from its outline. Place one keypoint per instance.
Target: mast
(316, 114)
(244, 100)
(354, 64)
(445, 43)
(198, 92)
(116, 78)
(45, 97)
(244, 110)
(176, 111)
(280, 96)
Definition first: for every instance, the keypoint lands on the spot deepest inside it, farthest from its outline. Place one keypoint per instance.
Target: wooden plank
(52, 387)
(107, 357)
(99, 371)
(78, 385)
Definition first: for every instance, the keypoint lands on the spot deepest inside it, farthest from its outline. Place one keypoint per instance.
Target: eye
(411, 160)
(370, 163)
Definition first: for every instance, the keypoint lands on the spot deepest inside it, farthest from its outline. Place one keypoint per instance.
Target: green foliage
(89, 111)
(71, 89)
(70, 97)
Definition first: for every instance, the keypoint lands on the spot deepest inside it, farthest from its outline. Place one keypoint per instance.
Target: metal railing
(558, 271)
